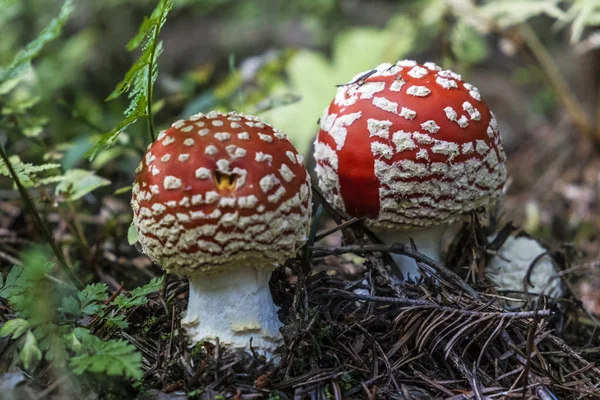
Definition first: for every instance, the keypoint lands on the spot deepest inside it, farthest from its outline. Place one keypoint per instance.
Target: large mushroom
(410, 147)
(223, 199)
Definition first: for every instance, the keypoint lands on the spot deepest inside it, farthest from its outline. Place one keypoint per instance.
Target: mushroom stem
(428, 242)
(235, 306)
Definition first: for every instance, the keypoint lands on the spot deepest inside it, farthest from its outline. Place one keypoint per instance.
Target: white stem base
(428, 242)
(235, 306)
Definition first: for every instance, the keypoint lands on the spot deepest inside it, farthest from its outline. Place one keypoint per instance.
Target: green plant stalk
(150, 88)
(39, 222)
(83, 243)
(557, 80)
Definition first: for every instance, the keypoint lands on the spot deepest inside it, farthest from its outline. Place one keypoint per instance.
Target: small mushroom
(507, 270)
(224, 199)
(410, 147)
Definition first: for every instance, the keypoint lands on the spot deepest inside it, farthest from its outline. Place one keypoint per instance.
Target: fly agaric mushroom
(223, 199)
(410, 147)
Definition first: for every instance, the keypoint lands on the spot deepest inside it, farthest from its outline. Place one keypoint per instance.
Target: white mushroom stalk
(224, 199)
(427, 241)
(236, 307)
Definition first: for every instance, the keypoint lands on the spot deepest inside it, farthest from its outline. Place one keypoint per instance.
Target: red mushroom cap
(409, 145)
(218, 190)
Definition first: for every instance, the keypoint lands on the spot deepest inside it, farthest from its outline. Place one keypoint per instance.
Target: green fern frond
(113, 357)
(139, 81)
(22, 61)
(27, 173)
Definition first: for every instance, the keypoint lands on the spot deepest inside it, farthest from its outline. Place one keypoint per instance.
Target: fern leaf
(139, 81)
(113, 357)
(138, 295)
(27, 173)
(30, 353)
(14, 328)
(22, 61)
(88, 301)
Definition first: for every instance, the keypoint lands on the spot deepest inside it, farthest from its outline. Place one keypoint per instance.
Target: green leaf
(468, 45)
(51, 343)
(89, 300)
(21, 278)
(70, 305)
(79, 182)
(14, 328)
(139, 81)
(27, 173)
(138, 295)
(132, 234)
(117, 320)
(113, 357)
(22, 60)
(30, 353)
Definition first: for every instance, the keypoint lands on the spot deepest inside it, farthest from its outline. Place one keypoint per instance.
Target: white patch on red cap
(203, 173)
(408, 113)
(172, 183)
(396, 86)
(385, 104)
(473, 91)
(418, 72)
(473, 112)
(267, 182)
(222, 136)
(368, 90)
(291, 156)
(451, 114)
(379, 128)
(467, 148)
(180, 123)
(286, 173)
(418, 91)
(446, 83)
(211, 150)
(265, 138)
(381, 149)
(403, 141)
(481, 147)
(338, 131)
(430, 126)
(262, 157)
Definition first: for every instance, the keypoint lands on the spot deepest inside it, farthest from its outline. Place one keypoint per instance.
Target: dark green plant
(139, 81)
(61, 338)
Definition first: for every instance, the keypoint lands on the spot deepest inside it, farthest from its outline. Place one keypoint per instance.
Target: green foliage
(139, 81)
(138, 295)
(29, 174)
(76, 183)
(467, 44)
(112, 357)
(43, 335)
(22, 61)
(88, 301)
